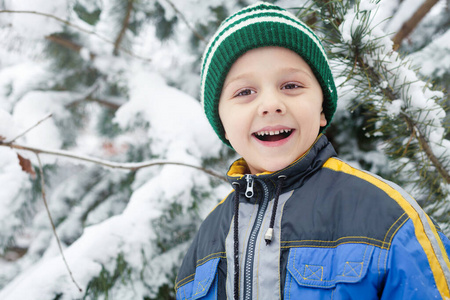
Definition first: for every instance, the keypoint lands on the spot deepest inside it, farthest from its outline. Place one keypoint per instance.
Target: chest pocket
(325, 273)
(204, 283)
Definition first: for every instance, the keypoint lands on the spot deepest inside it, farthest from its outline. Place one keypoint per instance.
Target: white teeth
(263, 133)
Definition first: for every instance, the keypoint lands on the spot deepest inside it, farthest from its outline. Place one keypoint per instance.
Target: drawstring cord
(269, 233)
(236, 240)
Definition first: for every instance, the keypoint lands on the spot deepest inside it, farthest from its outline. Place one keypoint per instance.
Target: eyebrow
(235, 78)
(296, 70)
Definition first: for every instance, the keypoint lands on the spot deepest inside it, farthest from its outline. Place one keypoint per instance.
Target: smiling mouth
(273, 136)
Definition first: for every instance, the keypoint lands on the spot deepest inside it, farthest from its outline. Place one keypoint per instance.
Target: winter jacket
(338, 233)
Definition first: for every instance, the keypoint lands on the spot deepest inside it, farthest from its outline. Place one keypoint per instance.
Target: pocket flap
(324, 267)
(204, 277)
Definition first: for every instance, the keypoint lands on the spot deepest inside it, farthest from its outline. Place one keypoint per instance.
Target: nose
(271, 104)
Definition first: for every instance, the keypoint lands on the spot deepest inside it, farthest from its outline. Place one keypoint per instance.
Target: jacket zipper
(250, 254)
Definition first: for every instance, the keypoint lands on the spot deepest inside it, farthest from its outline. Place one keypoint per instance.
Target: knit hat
(259, 25)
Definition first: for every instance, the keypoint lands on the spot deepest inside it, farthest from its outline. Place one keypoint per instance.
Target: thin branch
(76, 27)
(125, 24)
(183, 18)
(41, 170)
(114, 165)
(32, 127)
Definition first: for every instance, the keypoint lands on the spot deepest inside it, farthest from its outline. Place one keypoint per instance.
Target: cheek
(224, 119)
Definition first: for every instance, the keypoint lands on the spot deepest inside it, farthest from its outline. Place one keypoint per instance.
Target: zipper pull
(249, 190)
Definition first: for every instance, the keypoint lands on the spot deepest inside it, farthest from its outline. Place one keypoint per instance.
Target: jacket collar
(296, 173)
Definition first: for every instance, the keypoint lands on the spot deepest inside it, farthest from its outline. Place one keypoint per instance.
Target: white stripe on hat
(233, 19)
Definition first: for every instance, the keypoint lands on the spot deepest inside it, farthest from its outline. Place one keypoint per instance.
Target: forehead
(260, 59)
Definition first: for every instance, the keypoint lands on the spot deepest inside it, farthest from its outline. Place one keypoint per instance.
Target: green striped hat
(259, 25)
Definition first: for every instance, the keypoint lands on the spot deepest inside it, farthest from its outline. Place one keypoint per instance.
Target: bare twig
(125, 24)
(41, 170)
(195, 32)
(114, 165)
(76, 27)
(32, 127)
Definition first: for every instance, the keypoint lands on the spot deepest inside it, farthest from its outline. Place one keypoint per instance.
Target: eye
(244, 92)
(291, 86)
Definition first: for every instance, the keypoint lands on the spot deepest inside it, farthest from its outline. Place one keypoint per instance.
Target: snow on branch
(195, 32)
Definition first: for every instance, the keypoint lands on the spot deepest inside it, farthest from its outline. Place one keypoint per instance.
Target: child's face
(271, 108)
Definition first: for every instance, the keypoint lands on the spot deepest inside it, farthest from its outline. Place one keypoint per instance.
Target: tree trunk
(409, 25)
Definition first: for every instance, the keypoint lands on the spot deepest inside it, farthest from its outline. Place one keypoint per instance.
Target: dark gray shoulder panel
(332, 208)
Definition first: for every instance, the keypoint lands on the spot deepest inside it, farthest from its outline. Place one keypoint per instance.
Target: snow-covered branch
(195, 32)
(79, 28)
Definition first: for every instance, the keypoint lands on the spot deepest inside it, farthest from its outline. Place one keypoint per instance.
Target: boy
(300, 224)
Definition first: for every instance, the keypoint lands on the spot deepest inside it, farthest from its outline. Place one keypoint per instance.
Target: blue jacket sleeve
(412, 267)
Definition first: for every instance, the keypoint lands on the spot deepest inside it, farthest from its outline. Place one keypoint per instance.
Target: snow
(11, 176)
(8, 127)
(34, 107)
(36, 26)
(85, 53)
(16, 80)
(394, 108)
(153, 100)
